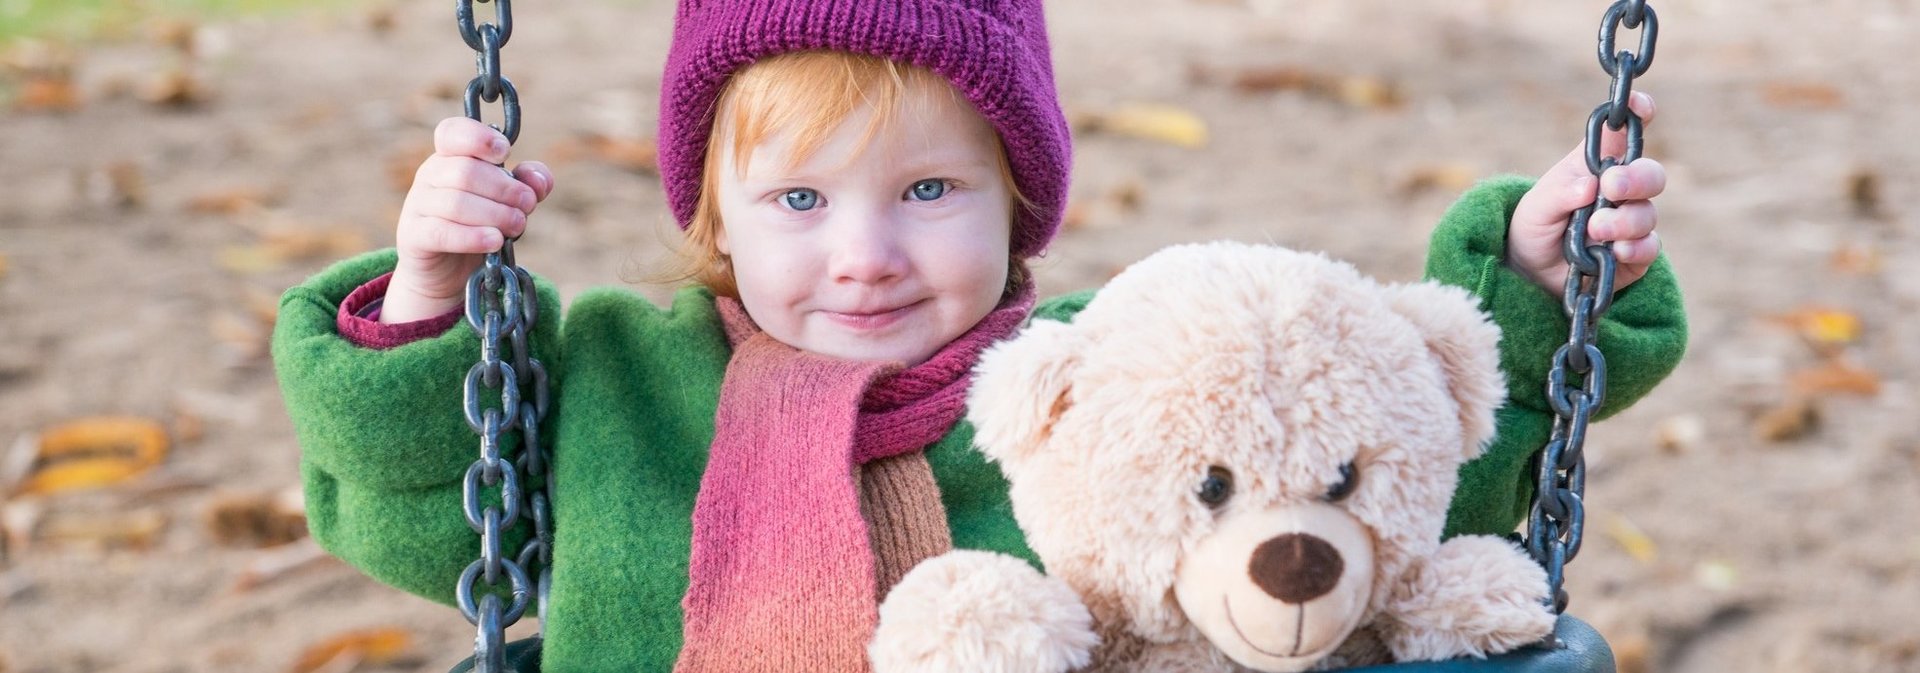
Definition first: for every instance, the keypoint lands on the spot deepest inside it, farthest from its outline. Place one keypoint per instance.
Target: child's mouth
(873, 320)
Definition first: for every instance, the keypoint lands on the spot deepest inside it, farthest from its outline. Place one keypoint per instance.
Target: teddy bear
(1235, 458)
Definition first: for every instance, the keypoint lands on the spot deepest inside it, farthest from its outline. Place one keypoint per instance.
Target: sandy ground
(1786, 127)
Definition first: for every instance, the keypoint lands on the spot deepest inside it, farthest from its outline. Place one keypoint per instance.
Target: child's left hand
(1539, 224)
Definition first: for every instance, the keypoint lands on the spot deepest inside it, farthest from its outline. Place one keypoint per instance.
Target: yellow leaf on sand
(1824, 326)
(369, 646)
(95, 452)
(3, 266)
(1164, 123)
(79, 474)
(1630, 538)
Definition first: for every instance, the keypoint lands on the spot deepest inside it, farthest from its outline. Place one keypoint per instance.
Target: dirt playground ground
(1756, 513)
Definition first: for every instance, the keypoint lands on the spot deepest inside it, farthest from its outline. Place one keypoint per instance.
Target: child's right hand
(462, 206)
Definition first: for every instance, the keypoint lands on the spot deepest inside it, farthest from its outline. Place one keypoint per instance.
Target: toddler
(742, 476)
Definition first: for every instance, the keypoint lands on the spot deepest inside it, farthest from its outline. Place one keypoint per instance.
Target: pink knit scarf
(782, 574)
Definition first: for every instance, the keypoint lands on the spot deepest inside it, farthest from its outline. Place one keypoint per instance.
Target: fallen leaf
(249, 259)
(1075, 218)
(129, 184)
(1632, 650)
(1277, 78)
(1716, 575)
(1630, 538)
(188, 427)
(81, 473)
(94, 452)
(381, 20)
(1863, 192)
(3, 266)
(253, 520)
(1360, 91)
(1791, 420)
(274, 563)
(368, 646)
(639, 155)
(1803, 94)
(47, 94)
(176, 89)
(1367, 92)
(1680, 434)
(1163, 123)
(1447, 178)
(176, 34)
(120, 184)
(279, 247)
(233, 200)
(1836, 377)
(1129, 195)
(1823, 326)
(1856, 259)
(138, 529)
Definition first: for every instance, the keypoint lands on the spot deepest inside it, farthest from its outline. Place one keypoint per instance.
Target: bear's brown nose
(1296, 567)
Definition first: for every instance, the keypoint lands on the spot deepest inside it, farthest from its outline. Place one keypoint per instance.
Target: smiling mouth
(1299, 623)
(872, 320)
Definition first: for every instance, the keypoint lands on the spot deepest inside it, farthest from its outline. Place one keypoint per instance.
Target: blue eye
(802, 199)
(928, 190)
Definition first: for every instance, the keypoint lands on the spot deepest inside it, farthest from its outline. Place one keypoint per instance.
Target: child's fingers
(1638, 252)
(1614, 143)
(536, 175)
(472, 210)
(437, 234)
(1641, 180)
(482, 179)
(1625, 222)
(463, 137)
(1561, 190)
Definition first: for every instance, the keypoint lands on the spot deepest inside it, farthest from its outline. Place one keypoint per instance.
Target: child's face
(883, 250)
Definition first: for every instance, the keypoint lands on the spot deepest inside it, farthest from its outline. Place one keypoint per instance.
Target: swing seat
(1580, 650)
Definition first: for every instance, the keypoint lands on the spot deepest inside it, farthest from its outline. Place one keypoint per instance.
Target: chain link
(1577, 383)
(501, 307)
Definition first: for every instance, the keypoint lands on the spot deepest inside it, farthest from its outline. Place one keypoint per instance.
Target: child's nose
(868, 251)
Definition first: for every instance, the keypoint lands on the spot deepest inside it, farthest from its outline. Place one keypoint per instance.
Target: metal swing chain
(501, 305)
(1577, 383)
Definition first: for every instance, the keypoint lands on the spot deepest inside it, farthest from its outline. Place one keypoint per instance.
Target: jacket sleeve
(384, 443)
(1643, 337)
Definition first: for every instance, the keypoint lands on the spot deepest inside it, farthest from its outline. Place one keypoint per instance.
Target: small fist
(462, 206)
(1539, 226)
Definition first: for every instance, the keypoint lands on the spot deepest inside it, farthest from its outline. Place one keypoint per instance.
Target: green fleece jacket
(384, 444)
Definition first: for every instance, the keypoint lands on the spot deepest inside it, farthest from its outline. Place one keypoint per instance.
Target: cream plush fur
(1257, 377)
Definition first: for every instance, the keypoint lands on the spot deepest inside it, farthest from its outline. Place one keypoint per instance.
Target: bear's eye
(1348, 480)
(1217, 487)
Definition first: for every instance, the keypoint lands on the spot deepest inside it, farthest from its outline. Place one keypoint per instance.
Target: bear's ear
(1467, 346)
(1021, 386)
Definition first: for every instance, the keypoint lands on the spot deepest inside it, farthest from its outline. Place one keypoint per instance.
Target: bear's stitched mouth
(1299, 624)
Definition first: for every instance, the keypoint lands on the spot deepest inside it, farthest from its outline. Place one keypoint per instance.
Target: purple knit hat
(994, 51)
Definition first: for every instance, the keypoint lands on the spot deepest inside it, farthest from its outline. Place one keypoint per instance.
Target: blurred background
(168, 167)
